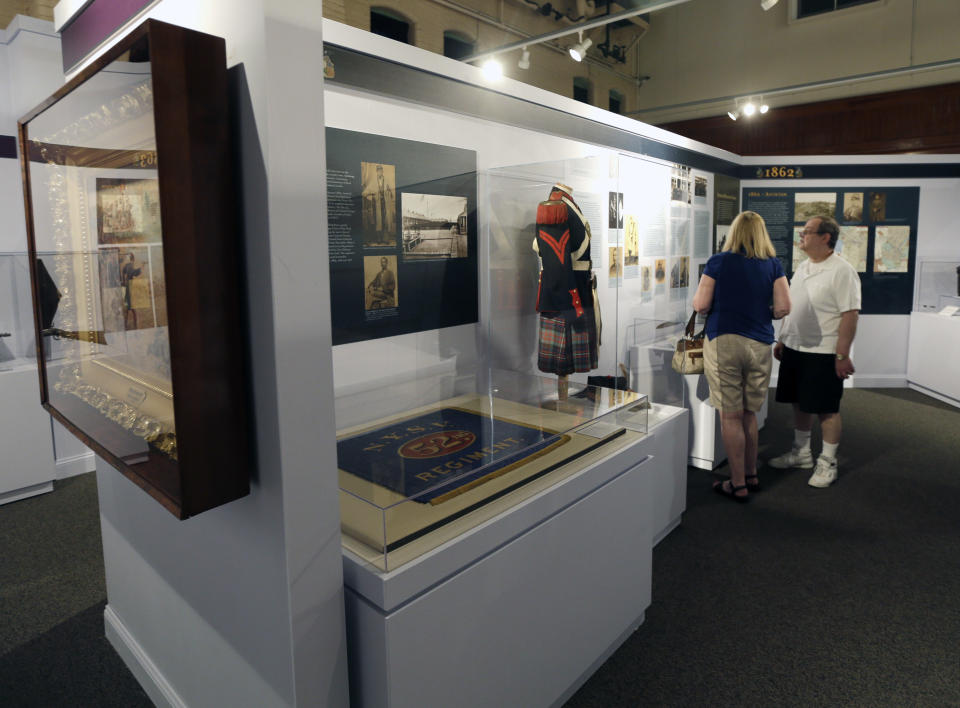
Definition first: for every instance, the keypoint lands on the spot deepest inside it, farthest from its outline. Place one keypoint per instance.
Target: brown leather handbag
(688, 357)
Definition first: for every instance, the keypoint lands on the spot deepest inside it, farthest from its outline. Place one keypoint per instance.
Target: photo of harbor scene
(434, 226)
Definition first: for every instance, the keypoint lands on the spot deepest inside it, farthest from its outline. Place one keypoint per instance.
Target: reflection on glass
(99, 268)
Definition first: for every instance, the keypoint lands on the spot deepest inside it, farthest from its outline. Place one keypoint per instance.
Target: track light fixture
(492, 70)
(579, 50)
(749, 107)
(524, 62)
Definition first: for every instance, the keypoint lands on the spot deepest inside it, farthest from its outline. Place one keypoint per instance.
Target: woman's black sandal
(719, 488)
(753, 486)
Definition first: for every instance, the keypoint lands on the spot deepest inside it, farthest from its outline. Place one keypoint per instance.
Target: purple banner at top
(95, 23)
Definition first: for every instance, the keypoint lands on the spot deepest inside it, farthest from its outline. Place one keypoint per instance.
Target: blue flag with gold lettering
(436, 455)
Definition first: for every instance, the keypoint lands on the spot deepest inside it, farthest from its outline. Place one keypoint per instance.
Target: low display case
(463, 449)
(135, 266)
(938, 285)
(17, 342)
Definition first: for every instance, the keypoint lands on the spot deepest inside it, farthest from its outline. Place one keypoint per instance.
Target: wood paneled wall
(915, 120)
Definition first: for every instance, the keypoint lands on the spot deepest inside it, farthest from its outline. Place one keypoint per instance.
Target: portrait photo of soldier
(379, 197)
(380, 275)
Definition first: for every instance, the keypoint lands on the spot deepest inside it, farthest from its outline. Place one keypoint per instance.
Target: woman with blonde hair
(736, 291)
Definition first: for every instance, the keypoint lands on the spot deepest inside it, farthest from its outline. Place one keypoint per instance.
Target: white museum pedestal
(521, 609)
(26, 441)
(931, 356)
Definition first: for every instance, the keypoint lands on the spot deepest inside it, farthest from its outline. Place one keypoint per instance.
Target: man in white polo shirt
(814, 348)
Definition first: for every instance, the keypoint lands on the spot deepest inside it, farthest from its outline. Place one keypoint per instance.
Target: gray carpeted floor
(53, 651)
(848, 596)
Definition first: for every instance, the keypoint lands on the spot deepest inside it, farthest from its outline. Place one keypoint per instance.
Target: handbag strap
(691, 325)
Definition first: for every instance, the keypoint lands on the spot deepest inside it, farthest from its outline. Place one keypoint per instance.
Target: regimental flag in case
(437, 455)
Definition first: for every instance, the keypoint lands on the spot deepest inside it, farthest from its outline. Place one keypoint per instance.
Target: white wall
(243, 605)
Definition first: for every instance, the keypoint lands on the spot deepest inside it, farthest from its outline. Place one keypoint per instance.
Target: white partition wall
(243, 605)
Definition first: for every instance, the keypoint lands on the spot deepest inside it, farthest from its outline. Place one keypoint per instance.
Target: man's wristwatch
(841, 357)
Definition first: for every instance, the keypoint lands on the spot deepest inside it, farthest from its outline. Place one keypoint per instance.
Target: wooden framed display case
(135, 266)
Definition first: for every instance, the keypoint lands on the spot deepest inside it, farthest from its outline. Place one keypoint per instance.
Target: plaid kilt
(564, 349)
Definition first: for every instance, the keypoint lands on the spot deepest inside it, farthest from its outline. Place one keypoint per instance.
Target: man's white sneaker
(795, 458)
(825, 474)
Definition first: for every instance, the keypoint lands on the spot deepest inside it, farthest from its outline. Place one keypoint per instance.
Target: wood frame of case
(202, 269)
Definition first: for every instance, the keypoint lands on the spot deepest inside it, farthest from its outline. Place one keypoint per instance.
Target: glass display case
(938, 285)
(17, 342)
(135, 266)
(473, 419)
(464, 449)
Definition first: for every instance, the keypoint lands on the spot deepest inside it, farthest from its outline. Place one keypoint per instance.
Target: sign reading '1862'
(779, 172)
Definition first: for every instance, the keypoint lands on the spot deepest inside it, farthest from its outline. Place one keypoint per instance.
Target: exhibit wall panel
(250, 594)
(517, 168)
(497, 146)
(880, 347)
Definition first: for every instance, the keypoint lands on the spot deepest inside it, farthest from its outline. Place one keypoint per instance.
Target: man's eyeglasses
(807, 232)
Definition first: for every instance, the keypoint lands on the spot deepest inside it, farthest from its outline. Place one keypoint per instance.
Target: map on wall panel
(402, 236)
(878, 235)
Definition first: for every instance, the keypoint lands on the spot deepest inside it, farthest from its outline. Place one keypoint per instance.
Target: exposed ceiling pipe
(493, 22)
(642, 7)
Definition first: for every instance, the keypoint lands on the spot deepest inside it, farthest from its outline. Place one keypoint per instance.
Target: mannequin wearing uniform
(569, 330)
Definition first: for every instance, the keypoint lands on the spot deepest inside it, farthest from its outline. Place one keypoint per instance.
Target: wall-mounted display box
(134, 258)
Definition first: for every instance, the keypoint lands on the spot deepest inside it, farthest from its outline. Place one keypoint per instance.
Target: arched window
(389, 23)
(457, 45)
(581, 89)
(616, 101)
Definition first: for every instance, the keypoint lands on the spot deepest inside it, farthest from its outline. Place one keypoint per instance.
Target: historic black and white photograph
(878, 206)
(615, 210)
(631, 242)
(380, 278)
(379, 204)
(810, 204)
(853, 206)
(434, 226)
(680, 272)
(700, 187)
(680, 184)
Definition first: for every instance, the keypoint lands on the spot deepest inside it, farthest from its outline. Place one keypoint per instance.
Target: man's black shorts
(810, 381)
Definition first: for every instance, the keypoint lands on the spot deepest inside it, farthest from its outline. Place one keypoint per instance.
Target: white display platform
(707, 451)
(650, 373)
(26, 440)
(932, 356)
(668, 426)
(521, 609)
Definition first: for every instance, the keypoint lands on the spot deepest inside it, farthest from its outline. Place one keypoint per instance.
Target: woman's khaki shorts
(738, 371)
